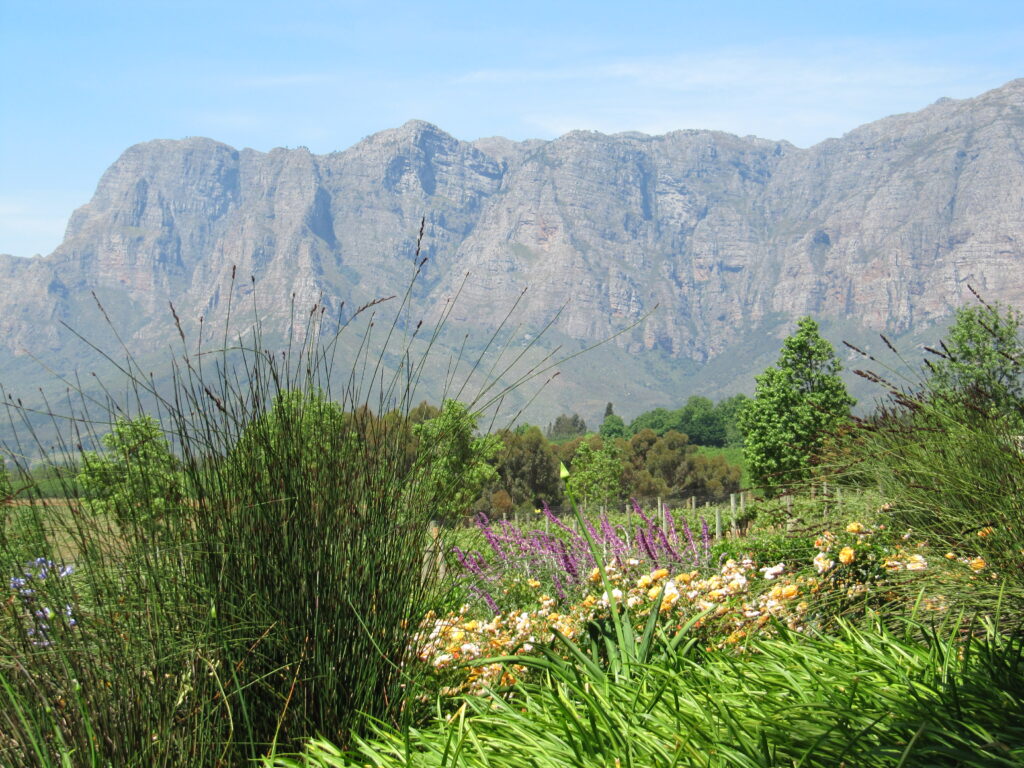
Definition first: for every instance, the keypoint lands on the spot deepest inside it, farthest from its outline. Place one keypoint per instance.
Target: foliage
(703, 422)
(612, 427)
(670, 466)
(911, 697)
(946, 452)
(596, 474)
(276, 600)
(6, 490)
(527, 471)
(566, 427)
(795, 407)
(138, 464)
(981, 358)
(454, 463)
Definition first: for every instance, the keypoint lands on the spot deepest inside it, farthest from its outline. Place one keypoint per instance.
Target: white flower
(775, 570)
(822, 562)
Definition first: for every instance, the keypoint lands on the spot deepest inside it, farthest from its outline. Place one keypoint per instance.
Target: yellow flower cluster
(456, 640)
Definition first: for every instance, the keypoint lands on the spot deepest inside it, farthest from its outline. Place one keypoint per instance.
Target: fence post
(732, 513)
(664, 517)
(718, 522)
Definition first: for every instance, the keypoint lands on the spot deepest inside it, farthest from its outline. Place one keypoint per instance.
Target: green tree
(596, 474)
(796, 406)
(701, 422)
(566, 427)
(728, 412)
(456, 464)
(137, 479)
(655, 420)
(981, 358)
(612, 427)
(527, 472)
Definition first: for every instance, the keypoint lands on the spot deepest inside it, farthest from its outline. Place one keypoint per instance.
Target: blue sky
(81, 81)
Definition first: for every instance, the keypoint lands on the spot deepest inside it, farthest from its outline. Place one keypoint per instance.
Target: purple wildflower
(668, 547)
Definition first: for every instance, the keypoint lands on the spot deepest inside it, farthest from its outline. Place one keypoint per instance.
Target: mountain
(730, 238)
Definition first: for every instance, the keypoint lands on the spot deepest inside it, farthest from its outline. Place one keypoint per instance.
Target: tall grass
(952, 469)
(273, 600)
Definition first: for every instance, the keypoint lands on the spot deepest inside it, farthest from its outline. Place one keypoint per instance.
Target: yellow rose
(790, 591)
(846, 555)
(855, 528)
(977, 564)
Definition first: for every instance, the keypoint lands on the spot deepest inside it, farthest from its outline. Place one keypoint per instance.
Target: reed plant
(272, 596)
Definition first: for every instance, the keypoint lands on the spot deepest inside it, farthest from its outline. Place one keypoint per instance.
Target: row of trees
(604, 470)
(702, 421)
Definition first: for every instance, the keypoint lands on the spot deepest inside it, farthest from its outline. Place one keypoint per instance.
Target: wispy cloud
(799, 92)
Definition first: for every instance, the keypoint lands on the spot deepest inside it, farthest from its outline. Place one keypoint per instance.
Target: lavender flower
(39, 616)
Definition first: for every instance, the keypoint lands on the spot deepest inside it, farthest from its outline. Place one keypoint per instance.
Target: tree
(981, 358)
(658, 421)
(566, 427)
(796, 406)
(455, 465)
(596, 474)
(701, 422)
(528, 469)
(612, 427)
(728, 411)
(138, 479)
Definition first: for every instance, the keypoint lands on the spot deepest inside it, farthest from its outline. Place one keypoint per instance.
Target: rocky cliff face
(731, 237)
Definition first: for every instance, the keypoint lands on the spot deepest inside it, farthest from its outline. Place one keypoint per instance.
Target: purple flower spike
(672, 533)
(639, 511)
(668, 547)
(645, 545)
(689, 540)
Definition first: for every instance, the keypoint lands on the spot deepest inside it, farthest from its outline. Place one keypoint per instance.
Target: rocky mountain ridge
(732, 238)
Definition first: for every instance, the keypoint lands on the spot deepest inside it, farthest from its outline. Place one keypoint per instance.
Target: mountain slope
(732, 238)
